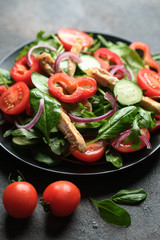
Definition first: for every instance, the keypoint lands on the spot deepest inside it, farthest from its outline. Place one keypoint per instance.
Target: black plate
(68, 167)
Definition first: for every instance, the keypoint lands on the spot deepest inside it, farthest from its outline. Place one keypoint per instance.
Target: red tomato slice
(2, 89)
(15, 99)
(127, 147)
(68, 35)
(93, 153)
(150, 81)
(22, 72)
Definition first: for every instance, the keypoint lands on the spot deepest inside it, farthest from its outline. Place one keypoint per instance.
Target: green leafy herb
(40, 82)
(5, 77)
(50, 114)
(58, 145)
(113, 213)
(114, 157)
(43, 155)
(119, 122)
(50, 40)
(130, 196)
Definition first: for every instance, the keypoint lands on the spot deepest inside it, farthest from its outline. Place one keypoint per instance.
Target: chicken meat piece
(76, 48)
(107, 80)
(46, 63)
(70, 132)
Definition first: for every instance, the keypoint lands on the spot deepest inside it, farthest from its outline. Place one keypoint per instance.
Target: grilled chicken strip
(107, 80)
(46, 63)
(76, 48)
(71, 133)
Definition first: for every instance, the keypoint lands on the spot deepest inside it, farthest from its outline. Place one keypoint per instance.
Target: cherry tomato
(106, 58)
(127, 147)
(150, 81)
(22, 72)
(20, 199)
(63, 197)
(94, 152)
(29, 110)
(67, 36)
(15, 99)
(2, 89)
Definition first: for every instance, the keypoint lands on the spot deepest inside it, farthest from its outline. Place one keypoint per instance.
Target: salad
(79, 96)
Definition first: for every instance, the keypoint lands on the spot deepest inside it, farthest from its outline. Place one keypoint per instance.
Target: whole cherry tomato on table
(20, 199)
(68, 35)
(22, 72)
(63, 198)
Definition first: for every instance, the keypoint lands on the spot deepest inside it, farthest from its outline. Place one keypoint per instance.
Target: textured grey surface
(133, 20)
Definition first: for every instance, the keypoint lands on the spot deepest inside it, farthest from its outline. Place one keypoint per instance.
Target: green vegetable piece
(130, 197)
(128, 93)
(112, 213)
(44, 157)
(119, 122)
(114, 157)
(50, 114)
(88, 62)
(5, 77)
(23, 142)
(40, 82)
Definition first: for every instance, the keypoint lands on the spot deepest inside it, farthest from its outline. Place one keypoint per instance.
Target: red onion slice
(125, 134)
(122, 137)
(63, 56)
(112, 100)
(29, 61)
(35, 119)
(146, 141)
(115, 68)
(88, 120)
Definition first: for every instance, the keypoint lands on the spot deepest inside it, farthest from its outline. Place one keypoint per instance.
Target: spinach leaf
(114, 157)
(130, 196)
(134, 135)
(27, 134)
(50, 114)
(113, 213)
(119, 122)
(146, 119)
(40, 82)
(58, 145)
(43, 155)
(6, 77)
(50, 40)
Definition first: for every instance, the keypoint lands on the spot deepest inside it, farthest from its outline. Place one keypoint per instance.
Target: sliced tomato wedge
(15, 99)
(127, 147)
(22, 72)
(150, 81)
(106, 58)
(67, 37)
(94, 152)
(2, 89)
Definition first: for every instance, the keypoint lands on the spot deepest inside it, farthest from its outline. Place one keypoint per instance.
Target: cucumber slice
(88, 62)
(20, 141)
(128, 93)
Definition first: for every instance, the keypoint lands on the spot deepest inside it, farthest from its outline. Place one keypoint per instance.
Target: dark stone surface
(133, 20)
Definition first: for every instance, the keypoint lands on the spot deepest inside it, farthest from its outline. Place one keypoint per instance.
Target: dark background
(133, 20)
